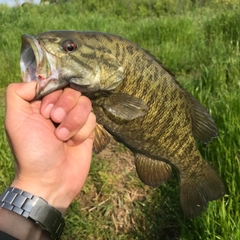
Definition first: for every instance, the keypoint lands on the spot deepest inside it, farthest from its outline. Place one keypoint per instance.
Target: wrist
(54, 195)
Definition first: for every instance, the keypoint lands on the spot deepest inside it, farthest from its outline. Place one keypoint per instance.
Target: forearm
(20, 227)
(53, 194)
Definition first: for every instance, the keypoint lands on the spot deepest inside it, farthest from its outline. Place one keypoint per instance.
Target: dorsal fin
(204, 128)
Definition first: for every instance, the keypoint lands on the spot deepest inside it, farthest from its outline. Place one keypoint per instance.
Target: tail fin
(198, 189)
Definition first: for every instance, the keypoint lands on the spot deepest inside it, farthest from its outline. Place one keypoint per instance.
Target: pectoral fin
(101, 138)
(125, 106)
(152, 172)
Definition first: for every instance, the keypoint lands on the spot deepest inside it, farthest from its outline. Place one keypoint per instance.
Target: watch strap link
(34, 208)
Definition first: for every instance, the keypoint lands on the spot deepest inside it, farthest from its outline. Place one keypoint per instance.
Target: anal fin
(152, 172)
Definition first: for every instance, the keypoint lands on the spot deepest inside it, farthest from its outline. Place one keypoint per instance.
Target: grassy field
(199, 42)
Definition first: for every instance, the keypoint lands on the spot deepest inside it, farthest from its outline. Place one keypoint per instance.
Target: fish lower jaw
(47, 86)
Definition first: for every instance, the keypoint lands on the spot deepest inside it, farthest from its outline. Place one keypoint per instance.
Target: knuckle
(68, 99)
(52, 97)
(10, 88)
(86, 102)
(76, 120)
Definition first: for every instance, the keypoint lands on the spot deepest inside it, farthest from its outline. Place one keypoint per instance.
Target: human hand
(51, 162)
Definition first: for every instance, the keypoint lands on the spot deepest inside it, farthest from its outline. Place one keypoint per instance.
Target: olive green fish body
(166, 128)
(137, 100)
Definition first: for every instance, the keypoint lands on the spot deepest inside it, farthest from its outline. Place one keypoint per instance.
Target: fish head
(57, 59)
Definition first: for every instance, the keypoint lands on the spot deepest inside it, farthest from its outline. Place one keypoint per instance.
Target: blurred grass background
(199, 42)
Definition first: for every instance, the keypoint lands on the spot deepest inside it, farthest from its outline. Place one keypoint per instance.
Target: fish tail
(198, 188)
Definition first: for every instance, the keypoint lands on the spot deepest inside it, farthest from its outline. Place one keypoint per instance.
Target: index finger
(76, 119)
(58, 103)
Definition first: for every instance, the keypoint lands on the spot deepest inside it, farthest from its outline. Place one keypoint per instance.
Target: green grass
(199, 43)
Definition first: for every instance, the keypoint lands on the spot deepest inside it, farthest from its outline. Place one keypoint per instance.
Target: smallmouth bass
(136, 100)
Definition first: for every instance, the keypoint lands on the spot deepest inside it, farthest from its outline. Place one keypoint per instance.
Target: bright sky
(17, 2)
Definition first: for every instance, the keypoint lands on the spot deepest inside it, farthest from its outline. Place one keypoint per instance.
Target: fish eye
(69, 46)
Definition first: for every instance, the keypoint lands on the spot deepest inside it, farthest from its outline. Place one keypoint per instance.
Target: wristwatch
(35, 209)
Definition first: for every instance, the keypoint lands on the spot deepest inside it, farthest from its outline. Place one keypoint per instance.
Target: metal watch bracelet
(35, 209)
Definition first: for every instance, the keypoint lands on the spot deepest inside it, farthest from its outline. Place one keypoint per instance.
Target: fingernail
(63, 133)
(47, 110)
(59, 114)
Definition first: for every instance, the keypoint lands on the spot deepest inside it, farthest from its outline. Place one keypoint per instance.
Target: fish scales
(149, 94)
(136, 100)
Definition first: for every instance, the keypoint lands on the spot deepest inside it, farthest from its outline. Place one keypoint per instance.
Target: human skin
(52, 159)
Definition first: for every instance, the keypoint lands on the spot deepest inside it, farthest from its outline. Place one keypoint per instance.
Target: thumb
(18, 94)
(25, 91)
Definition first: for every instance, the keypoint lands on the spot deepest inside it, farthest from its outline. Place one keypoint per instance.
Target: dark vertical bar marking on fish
(117, 51)
(85, 65)
(123, 55)
(130, 49)
(108, 38)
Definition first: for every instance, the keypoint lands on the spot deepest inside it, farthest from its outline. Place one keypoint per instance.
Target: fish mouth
(38, 65)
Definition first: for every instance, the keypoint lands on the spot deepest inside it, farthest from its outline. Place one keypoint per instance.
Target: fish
(137, 100)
